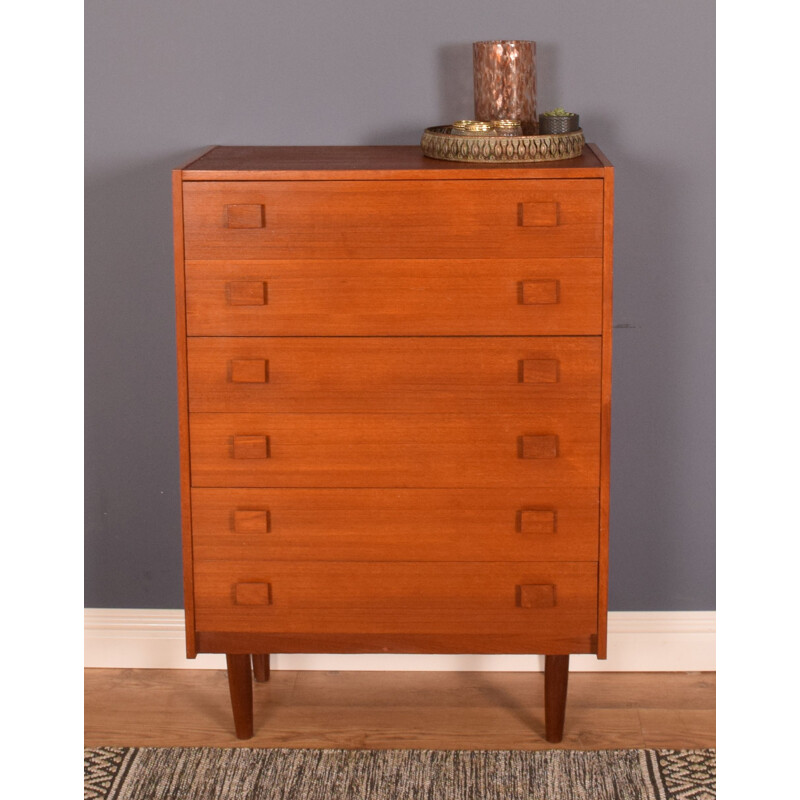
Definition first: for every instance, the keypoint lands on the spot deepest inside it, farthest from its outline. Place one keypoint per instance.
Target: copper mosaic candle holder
(505, 82)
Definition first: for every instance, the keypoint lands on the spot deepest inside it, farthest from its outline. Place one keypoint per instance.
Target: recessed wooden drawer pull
(533, 293)
(536, 595)
(251, 521)
(249, 370)
(244, 215)
(252, 594)
(536, 520)
(246, 293)
(251, 446)
(538, 215)
(538, 370)
(545, 446)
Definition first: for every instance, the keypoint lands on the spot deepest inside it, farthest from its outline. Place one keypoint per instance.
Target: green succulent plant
(558, 112)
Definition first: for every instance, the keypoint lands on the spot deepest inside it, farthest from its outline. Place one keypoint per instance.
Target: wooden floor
(429, 710)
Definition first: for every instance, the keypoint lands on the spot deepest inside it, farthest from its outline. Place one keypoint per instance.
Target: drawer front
(315, 374)
(531, 524)
(394, 450)
(379, 297)
(531, 603)
(393, 219)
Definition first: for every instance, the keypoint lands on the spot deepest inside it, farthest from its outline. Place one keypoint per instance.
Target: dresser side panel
(605, 424)
(183, 410)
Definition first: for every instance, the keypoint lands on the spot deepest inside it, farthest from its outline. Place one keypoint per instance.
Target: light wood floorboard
(432, 710)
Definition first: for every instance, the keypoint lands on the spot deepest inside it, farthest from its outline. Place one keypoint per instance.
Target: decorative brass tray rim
(439, 143)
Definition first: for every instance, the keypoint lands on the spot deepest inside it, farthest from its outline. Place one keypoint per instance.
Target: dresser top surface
(371, 163)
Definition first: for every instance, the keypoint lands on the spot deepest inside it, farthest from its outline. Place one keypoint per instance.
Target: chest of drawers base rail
(394, 385)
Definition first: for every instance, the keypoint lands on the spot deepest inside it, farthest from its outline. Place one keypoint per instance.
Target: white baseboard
(638, 641)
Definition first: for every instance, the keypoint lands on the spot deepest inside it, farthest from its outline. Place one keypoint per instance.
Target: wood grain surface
(436, 710)
(388, 162)
(605, 440)
(465, 296)
(452, 374)
(183, 409)
(393, 450)
(445, 599)
(507, 524)
(401, 219)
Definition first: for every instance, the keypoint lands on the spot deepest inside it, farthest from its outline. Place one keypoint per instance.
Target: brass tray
(440, 142)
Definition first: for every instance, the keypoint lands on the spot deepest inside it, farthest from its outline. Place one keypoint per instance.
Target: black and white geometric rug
(206, 773)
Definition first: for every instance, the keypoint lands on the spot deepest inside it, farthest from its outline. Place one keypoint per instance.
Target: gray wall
(165, 79)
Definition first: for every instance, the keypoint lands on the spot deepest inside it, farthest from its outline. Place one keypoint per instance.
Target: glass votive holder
(478, 128)
(504, 74)
(507, 127)
(460, 126)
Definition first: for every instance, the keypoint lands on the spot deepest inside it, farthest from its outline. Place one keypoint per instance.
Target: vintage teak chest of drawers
(394, 390)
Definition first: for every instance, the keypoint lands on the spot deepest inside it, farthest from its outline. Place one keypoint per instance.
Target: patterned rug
(205, 773)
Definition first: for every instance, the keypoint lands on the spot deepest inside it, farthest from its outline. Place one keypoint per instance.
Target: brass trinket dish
(449, 143)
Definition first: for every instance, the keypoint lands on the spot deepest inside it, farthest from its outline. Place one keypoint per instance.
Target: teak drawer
(522, 602)
(384, 298)
(397, 219)
(319, 374)
(386, 450)
(509, 524)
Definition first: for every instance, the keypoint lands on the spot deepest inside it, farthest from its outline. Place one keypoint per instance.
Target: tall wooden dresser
(394, 388)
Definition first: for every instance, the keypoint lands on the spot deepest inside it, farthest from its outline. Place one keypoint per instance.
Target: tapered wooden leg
(556, 675)
(240, 681)
(261, 667)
